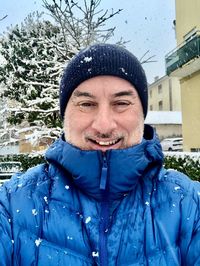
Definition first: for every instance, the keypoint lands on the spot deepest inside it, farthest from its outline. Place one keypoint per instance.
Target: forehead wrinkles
(107, 86)
(122, 93)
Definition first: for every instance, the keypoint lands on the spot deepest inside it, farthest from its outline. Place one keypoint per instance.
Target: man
(104, 197)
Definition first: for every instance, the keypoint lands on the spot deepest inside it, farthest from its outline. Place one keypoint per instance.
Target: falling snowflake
(88, 219)
(46, 199)
(177, 188)
(147, 203)
(123, 70)
(34, 212)
(38, 241)
(87, 59)
(66, 187)
(95, 254)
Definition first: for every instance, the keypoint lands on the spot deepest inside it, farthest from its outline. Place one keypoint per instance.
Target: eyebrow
(78, 93)
(124, 93)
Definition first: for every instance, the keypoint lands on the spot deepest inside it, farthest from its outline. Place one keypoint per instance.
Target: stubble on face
(79, 126)
(83, 141)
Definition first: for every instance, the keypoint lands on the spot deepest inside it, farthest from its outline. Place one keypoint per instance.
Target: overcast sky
(147, 24)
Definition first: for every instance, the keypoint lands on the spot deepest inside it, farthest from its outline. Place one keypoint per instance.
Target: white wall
(10, 149)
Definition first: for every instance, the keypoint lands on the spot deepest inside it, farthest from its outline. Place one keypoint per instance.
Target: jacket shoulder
(181, 183)
(32, 177)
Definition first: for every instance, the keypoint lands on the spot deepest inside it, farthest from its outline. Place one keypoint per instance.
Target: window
(195, 149)
(150, 93)
(160, 105)
(160, 88)
(151, 107)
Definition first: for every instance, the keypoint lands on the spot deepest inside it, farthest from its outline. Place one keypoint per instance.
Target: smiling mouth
(106, 143)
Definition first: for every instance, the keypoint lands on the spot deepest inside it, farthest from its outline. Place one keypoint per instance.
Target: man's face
(104, 113)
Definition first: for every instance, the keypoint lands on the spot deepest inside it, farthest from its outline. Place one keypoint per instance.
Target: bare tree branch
(3, 17)
(148, 59)
(81, 24)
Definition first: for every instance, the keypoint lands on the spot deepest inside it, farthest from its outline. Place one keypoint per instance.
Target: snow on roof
(163, 117)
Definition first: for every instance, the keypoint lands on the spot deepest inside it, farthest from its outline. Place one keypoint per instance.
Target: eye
(121, 105)
(86, 106)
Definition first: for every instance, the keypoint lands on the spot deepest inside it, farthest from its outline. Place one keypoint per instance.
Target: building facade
(164, 94)
(168, 124)
(184, 62)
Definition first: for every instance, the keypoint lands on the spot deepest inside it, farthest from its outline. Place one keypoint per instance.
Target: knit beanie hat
(98, 60)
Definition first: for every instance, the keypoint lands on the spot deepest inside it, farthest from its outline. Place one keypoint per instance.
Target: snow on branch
(45, 84)
(33, 110)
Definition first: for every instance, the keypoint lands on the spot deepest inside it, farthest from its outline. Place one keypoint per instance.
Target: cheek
(75, 123)
(134, 127)
(132, 122)
(69, 122)
(72, 126)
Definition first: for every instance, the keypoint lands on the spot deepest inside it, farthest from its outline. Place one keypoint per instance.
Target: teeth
(106, 143)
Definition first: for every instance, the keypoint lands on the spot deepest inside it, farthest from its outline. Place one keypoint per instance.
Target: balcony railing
(182, 54)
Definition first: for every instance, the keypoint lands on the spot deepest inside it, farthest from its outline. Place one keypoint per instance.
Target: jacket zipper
(104, 214)
(104, 173)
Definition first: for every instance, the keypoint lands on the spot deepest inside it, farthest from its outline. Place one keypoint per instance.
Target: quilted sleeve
(193, 249)
(6, 242)
(193, 257)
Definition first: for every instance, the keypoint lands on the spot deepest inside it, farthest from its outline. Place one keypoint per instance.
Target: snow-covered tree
(30, 70)
(35, 53)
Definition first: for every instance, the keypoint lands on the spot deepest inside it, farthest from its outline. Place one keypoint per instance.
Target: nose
(104, 121)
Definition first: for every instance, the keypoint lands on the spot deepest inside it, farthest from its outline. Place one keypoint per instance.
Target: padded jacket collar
(124, 168)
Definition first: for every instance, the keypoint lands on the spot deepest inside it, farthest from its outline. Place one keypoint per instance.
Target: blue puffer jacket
(83, 208)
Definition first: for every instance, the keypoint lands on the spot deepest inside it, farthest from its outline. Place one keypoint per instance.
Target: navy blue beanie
(103, 59)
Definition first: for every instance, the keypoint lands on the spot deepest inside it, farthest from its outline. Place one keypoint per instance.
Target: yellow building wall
(26, 146)
(168, 131)
(190, 97)
(164, 96)
(187, 18)
(187, 23)
(176, 94)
